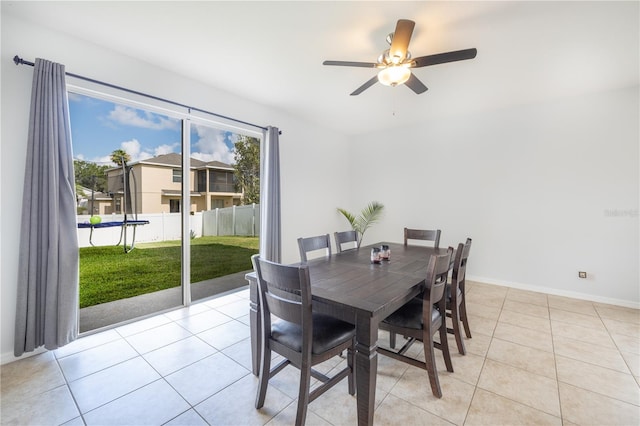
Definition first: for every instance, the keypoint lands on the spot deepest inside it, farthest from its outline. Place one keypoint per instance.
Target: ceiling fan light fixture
(394, 75)
(394, 64)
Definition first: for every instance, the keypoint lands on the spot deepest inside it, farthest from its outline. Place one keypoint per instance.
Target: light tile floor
(533, 359)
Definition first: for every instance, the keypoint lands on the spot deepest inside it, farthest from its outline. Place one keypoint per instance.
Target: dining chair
(421, 319)
(455, 296)
(303, 338)
(422, 234)
(346, 237)
(310, 244)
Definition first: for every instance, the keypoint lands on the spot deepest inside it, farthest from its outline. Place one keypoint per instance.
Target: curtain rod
(19, 61)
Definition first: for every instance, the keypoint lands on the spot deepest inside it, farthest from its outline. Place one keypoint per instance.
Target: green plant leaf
(368, 216)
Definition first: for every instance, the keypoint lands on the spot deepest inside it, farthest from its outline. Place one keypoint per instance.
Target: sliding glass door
(224, 225)
(167, 207)
(129, 177)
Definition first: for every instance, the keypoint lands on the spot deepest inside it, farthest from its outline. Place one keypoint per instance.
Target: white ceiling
(272, 52)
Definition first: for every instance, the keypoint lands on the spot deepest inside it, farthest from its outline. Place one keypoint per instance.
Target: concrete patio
(106, 315)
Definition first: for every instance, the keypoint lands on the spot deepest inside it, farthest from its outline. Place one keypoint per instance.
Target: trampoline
(126, 223)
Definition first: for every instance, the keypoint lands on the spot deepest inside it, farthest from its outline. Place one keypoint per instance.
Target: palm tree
(119, 156)
(368, 216)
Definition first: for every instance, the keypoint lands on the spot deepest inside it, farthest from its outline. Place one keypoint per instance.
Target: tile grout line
(555, 364)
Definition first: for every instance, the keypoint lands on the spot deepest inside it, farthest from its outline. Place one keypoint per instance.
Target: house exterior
(93, 202)
(155, 185)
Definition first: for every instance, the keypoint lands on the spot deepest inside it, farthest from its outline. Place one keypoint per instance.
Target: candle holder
(375, 255)
(385, 252)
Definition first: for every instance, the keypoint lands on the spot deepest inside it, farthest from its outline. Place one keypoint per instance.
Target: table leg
(255, 322)
(366, 367)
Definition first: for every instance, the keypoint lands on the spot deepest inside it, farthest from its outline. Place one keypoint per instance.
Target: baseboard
(556, 292)
(8, 357)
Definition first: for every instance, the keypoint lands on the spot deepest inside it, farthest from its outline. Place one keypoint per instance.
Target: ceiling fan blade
(365, 86)
(416, 85)
(351, 64)
(401, 38)
(441, 58)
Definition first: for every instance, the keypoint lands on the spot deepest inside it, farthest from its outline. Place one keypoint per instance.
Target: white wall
(544, 190)
(307, 182)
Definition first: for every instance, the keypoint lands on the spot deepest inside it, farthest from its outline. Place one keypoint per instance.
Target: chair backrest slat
(344, 238)
(437, 273)
(460, 264)
(284, 289)
(285, 309)
(422, 234)
(310, 244)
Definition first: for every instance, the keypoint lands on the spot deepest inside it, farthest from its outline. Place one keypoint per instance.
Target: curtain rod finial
(19, 61)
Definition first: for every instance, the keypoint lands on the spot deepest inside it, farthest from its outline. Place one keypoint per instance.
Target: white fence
(237, 220)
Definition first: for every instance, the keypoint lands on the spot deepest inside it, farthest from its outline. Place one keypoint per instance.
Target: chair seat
(328, 332)
(410, 315)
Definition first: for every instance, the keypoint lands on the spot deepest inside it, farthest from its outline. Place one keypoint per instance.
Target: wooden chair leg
(351, 377)
(457, 332)
(464, 318)
(444, 346)
(430, 361)
(303, 395)
(265, 372)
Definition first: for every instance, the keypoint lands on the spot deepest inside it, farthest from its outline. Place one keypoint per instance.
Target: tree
(247, 168)
(80, 194)
(90, 175)
(118, 155)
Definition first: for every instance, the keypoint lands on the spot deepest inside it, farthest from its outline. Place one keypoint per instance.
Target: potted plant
(368, 216)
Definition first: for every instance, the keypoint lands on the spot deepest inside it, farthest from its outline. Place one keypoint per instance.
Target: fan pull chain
(393, 102)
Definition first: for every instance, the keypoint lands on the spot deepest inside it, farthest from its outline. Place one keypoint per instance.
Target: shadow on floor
(106, 315)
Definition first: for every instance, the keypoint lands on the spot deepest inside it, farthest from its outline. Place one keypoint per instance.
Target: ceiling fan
(395, 63)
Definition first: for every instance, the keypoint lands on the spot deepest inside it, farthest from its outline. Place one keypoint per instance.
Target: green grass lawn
(107, 273)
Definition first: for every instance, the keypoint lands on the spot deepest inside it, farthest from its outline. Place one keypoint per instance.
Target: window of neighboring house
(217, 204)
(174, 206)
(118, 203)
(177, 175)
(201, 181)
(221, 181)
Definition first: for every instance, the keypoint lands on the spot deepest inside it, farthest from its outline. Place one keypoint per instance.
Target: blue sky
(99, 127)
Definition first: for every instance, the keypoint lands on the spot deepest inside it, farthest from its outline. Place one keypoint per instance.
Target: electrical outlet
(582, 274)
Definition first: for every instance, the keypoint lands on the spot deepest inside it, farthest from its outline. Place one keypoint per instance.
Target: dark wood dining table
(348, 286)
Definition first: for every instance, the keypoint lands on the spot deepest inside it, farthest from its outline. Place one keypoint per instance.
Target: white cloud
(130, 117)
(102, 161)
(211, 145)
(73, 97)
(165, 149)
(131, 147)
(135, 151)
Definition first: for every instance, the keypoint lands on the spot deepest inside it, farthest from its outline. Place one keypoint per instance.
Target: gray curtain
(47, 302)
(270, 236)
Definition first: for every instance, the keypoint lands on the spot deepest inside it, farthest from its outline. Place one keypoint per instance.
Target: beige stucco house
(155, 183)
